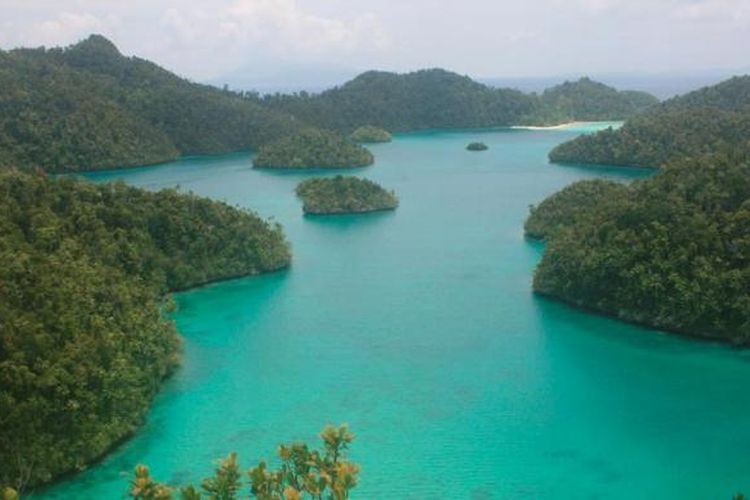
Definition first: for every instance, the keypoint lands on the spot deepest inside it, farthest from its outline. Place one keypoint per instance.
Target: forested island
(371, 135)
(671, 251)
(477, 146)
(715, 118)
(88, 107)
(344, 195)
(313, 148)
(85, 343)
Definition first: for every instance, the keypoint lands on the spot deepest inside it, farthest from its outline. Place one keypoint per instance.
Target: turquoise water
(419, 329)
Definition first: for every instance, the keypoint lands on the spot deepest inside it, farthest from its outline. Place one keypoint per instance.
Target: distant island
(104, 110)
(313, 148)
(344, 195)
(711, 119)
(370, 134)
(477, 146)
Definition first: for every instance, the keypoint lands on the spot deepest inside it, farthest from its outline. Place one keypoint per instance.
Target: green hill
(712, 119)
(313, 148)
(437, 98)
(671, 252)
(88, 107)
(343, 195)
(85, 343)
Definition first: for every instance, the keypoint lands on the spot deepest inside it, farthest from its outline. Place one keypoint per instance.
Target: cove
(419, 329)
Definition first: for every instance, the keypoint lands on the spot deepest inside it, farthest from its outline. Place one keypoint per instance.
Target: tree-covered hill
(587, 100)
(88, 107)
(84, 343)
(712, 119)
(436, 98)
(344, 195)
(672, 251)
(565, 208)
(313, 148)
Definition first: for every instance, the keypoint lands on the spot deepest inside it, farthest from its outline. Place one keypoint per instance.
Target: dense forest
(712, 119)
(88, 107)
(313, 148)
(565, 208)
(587, 100)
(671, 251)
(370, 135)
(85, 342)
(436, 98)
(341, 195)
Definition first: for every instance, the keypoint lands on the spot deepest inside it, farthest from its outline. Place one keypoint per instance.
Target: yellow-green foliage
(304, 473)
(84, 343)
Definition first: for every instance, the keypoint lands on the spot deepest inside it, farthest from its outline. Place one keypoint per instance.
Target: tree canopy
(340, 195)
(671, 252)
(84, 342)
(313, 148)
(370, 134)
(712, 119)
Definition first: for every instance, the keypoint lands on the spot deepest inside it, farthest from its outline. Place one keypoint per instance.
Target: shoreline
(561, 126)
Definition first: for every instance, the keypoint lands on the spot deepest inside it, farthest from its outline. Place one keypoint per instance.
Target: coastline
(567, 125)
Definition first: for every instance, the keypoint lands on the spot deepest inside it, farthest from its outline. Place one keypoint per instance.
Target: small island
(477, 146)
(313, 148)
(370, 135)
(344, 195)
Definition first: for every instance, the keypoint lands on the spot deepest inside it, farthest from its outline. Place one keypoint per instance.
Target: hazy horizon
(230, 39)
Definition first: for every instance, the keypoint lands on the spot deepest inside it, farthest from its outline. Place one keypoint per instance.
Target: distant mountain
(715, 118)
(436, 98)
(587, 100)
(89, 107)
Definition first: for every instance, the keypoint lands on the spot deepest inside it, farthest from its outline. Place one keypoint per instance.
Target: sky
(211, 40)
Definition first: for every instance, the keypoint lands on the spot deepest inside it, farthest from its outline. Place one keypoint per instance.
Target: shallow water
(419, 329)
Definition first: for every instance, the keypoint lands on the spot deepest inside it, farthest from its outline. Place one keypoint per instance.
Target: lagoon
(419, 328)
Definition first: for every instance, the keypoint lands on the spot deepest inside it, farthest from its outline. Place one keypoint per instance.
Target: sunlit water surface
(419, 329)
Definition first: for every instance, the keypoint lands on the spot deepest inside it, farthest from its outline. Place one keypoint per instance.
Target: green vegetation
(587, 100)
(564, 209)
(477, 146)
(436, 98)
(304, 473)
(313, 148)
(369, 134)
(708, 120)
(341, 195)
(84, 342)
(88, 107)
(671, 251)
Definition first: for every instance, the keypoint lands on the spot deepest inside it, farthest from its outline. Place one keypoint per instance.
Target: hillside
(711, 119)
(344, 195)
(671, 252)
(436, 98)
(85, 342)
(587, 100)
(88, 107)
(313, 148)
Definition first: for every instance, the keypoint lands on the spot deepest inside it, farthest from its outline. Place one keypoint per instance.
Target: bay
(419, 328)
